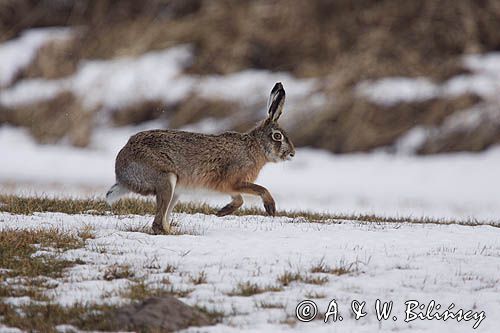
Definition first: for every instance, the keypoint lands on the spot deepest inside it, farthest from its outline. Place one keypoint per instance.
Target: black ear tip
(277, 86)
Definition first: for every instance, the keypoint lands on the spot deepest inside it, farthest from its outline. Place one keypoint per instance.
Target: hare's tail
(115, 193)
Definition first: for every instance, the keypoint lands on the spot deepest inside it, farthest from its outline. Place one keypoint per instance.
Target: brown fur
(215, 162)
(154, 162)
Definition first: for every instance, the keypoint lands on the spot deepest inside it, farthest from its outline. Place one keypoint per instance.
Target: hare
(159, 161)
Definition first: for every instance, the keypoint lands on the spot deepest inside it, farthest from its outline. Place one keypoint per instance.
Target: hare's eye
(277, 136)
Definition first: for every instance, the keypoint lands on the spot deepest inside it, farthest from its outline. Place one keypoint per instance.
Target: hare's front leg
(165, 201)
(236, 202)
(261, 191)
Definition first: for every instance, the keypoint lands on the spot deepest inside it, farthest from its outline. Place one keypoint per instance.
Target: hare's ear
(276, 102)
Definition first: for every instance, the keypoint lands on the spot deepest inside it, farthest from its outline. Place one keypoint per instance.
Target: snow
(458, 186)
(412, 140)
(116, 83)
(486, 63)
(483, 81)
(28, 91)
(398, 262)
(18, 53)
(393, 90)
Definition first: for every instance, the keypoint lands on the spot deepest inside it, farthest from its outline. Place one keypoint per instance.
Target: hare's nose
(292, 154)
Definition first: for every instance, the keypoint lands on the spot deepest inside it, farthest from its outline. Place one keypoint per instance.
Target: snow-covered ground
(391, 262)
(460, 186)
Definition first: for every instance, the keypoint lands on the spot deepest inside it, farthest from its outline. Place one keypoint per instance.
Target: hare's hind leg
(165, 200)
(236, 202)
(261, 191)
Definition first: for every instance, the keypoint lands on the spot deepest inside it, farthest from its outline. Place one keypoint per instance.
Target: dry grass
(170, 268)
(200, 278)
(118, 272)
(288, 277)
(270, 305)
(49, 125)
(139, 291)
(35, 317)
(248, 288)
(352, 123)
(341, 269)
(29, 205)
(87, 232)
(318, 280)
(29, 289)
(18, 246)
(365, 38)
(22, 273)
(213, 315)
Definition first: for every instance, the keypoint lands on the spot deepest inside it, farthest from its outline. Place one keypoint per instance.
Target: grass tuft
(247, 289)
(170, 268)
(87, 232)
(118, 272)
(200, 278)
(342, 269)
(288, 277)
(140, 291)
(270, 305)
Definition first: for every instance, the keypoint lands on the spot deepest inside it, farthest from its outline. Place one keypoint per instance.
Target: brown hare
(158, 161)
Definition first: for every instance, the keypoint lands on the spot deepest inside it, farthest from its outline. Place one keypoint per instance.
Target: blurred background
(395, 103)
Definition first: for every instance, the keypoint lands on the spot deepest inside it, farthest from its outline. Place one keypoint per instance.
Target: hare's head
(274, 140)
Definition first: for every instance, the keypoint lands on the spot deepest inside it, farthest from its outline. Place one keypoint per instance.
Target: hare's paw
(158, 229)
(270, 208)
(236, 202)
(226, 210)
